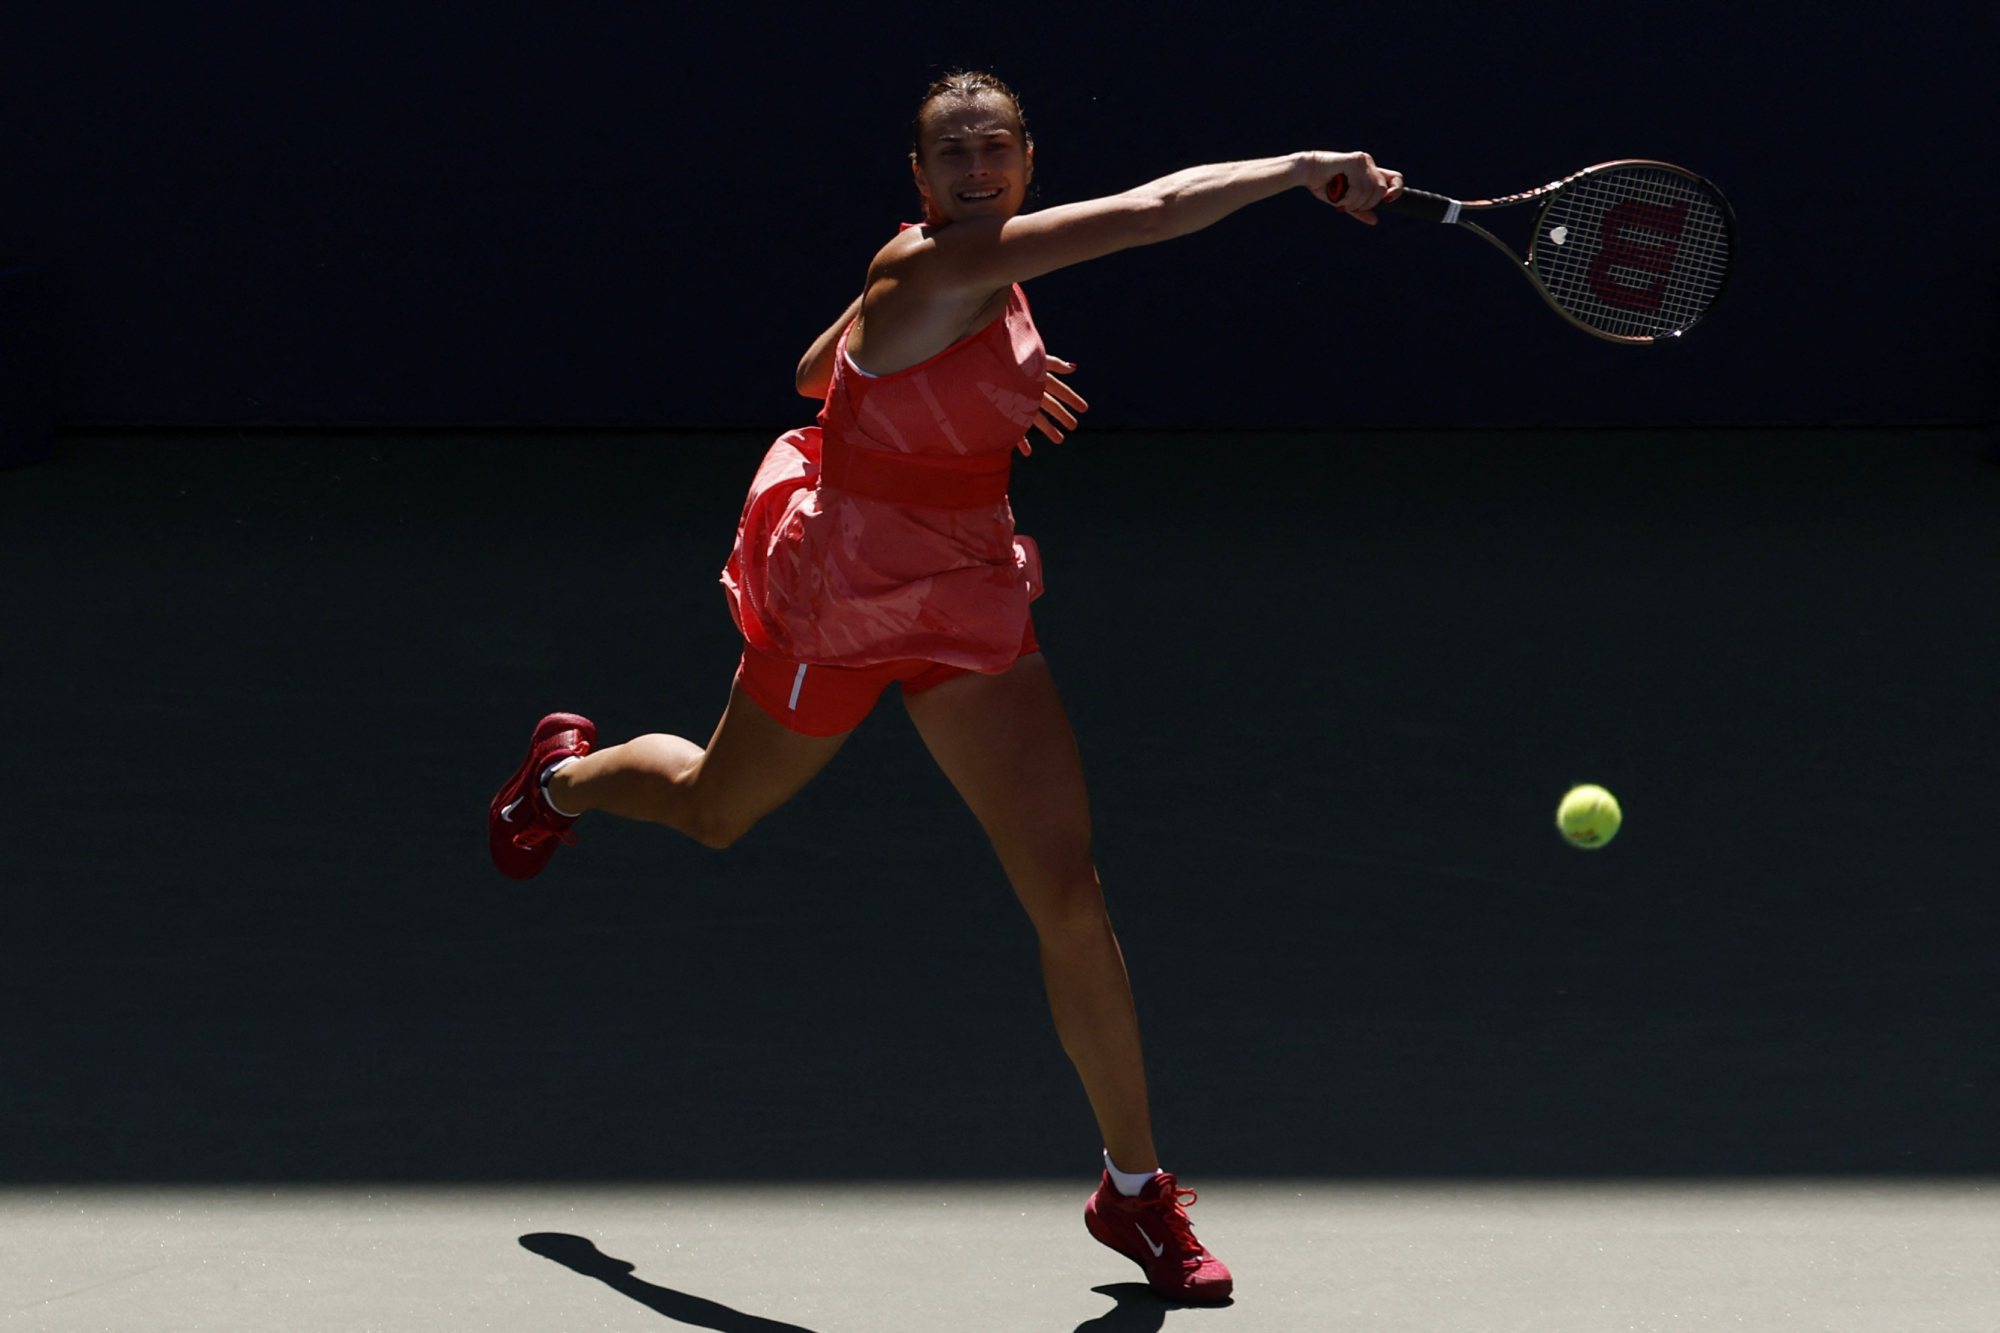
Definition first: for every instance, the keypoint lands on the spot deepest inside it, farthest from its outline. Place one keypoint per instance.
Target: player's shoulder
(932, 255)
(901, 254)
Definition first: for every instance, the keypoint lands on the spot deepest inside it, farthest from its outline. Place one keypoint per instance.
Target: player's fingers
(1060, 366)
(1052, 408)
(1047, 428)
(1359, 184)
(1363, 215)
(1063, 393)
(1395, 190)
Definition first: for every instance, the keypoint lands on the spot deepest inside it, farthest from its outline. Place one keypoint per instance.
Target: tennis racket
(1631, 251)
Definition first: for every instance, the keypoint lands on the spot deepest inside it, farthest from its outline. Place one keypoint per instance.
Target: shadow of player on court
(579, 1255)
(1138, 1310)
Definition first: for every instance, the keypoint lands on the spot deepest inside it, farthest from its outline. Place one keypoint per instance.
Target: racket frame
(1429, 207)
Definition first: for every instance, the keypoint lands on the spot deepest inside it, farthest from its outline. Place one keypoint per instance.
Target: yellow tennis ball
(1589, 816)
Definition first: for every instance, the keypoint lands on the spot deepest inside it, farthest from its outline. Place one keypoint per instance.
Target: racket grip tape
(1421, 205)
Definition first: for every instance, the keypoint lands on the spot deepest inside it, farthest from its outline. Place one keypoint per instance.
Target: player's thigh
(1005, 743)
(753, 765)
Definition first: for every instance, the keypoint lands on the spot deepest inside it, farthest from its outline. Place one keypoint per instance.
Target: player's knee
(1067, 901)
(718, 829)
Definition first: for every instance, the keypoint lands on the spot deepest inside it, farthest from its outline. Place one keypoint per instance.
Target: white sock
(1129, 1183)
(549, 772)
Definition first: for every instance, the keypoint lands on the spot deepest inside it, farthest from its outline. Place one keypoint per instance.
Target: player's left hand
(1060, 403)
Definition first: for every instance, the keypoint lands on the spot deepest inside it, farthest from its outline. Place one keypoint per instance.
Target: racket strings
(1635, 252)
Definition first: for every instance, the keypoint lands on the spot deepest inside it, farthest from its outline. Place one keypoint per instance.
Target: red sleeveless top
(883, 533)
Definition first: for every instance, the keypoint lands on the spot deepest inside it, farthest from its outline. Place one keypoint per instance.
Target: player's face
(974, 160)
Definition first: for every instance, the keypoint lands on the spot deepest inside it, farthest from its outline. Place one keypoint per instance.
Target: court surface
(279, 1050)
(1004, 1256)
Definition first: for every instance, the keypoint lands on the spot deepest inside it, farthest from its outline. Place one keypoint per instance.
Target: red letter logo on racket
(1652, 254)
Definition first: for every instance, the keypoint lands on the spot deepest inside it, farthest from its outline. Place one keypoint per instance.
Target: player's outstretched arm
(983, 255)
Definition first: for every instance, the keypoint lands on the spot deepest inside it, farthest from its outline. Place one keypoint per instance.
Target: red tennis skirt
(831, 700)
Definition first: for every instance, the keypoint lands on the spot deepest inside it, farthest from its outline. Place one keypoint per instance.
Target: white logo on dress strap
(1157, 1250)
(507, 814)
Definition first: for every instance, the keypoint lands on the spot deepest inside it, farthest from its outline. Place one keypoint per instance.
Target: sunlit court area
(373, 387)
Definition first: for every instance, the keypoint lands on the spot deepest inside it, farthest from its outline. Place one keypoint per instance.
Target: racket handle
(1421, 205)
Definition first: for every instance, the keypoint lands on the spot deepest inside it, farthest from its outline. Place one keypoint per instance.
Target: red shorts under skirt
(830, 700)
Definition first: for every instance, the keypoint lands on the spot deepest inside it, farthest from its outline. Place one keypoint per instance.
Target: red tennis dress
(883, 533)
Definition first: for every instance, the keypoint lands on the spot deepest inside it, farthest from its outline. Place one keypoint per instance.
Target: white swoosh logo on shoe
(1157, 1250)
(507, 814)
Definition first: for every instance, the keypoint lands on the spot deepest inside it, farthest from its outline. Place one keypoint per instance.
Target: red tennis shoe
(522, 829)
(1151, 1229)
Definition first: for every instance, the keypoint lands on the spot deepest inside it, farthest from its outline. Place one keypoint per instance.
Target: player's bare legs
(1005, 742)
(750, 767)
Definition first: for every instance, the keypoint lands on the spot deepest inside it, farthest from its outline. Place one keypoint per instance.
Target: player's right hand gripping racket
(1630, 251)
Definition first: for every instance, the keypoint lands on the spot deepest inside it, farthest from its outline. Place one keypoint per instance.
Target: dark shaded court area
(1329, 689)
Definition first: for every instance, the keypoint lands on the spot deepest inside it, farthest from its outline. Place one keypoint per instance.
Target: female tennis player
(878, 547)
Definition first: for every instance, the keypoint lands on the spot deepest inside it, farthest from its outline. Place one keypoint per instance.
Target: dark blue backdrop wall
(615, 212)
